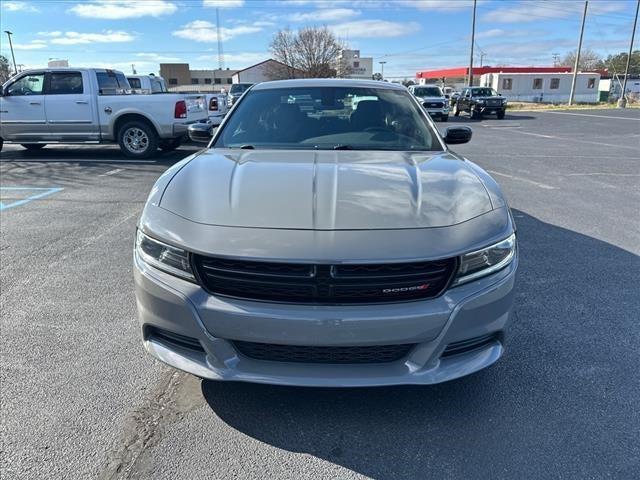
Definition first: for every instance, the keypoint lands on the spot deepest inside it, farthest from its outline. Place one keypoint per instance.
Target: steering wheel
(27, 91)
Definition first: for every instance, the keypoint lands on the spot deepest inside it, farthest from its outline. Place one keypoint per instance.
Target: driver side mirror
(457, 135)
(202, 132)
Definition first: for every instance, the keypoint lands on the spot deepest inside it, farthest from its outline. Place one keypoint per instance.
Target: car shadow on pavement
(558, 404)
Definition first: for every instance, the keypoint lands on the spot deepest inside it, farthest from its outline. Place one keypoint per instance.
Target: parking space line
(521, 179)
(579, 140)
(112, 172)
(45, 192)
(597, 116)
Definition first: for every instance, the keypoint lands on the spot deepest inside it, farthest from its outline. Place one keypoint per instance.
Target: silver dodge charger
(326, 237)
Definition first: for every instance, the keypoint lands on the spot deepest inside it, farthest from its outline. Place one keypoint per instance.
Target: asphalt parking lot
(81, 399)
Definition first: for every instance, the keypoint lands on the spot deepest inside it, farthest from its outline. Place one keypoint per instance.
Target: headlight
(164, 257)
(486, 261)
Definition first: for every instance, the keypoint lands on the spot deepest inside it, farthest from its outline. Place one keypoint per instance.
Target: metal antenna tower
(220, 53)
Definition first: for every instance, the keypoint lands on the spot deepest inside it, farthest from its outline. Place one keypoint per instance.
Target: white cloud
(154, 57)
(118, 9)
(523, 12)
(374, 28)
(223, 3)
(10, 6)
(441, 5)
(203, 31)
(324, 15)
(33, 45)
(76, 38)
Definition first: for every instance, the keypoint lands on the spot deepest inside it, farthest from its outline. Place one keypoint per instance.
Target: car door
(22, 114)
(69, 107)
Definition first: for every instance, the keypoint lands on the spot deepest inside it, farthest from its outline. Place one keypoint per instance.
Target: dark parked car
(479, 101)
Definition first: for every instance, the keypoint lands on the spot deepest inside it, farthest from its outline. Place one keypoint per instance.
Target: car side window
(28, 85)
(65, 83)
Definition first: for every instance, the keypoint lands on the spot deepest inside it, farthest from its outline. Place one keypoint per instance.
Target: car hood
(326, 190)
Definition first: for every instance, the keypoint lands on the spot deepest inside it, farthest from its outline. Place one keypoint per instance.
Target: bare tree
(589, 60)
(312, 50)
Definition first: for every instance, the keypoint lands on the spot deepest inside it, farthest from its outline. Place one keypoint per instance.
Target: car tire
(500, 115)
(456, 111)
(476, 115)
(444, 118)
(138, 140)
(170, 145)
(1, 144)
(33, 146)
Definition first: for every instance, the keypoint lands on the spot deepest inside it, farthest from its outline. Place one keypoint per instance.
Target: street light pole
(473, 37)
(622, 103)
(382, 65)
(575, 67)
(15, 67)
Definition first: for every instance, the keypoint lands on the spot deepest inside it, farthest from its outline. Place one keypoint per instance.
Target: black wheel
(170, 145)
(138, 140)
(1, 144)
(33, 146)
(456, 110)
(444, 118)
(500, 115)
(475, 114)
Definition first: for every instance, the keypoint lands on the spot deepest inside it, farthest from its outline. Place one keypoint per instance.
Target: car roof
(327, 82)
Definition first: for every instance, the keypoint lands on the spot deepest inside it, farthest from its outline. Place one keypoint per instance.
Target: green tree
(5, 72)
(617, 63)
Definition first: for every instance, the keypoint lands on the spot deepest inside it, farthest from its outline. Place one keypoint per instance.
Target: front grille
(323, 284)
(316, 354)
(494, 103)
(433, 104)
(464, 346)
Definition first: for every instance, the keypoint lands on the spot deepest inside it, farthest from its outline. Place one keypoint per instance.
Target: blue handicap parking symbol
(15, 196)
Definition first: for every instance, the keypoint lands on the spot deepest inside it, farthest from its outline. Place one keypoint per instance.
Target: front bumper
(490, 109)
(476, 309)
(438, 112)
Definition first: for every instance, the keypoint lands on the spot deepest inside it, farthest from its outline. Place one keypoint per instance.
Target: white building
(58, 63)
(354, 65)
(264, 71)
(543, 87)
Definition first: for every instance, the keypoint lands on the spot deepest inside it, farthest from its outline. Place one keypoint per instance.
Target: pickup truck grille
(323, 284)
(433, 104)
(494, 103)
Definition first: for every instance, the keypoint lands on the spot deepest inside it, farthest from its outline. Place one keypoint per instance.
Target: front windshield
(327, 118)
(427, 92)
(484, 92)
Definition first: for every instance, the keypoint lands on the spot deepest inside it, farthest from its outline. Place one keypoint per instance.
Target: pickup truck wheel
(444, 118)
(1, 144)
(138, 140)
(500, 115)
(475, 114)
(170, 145)
(456, 110)
(33, 146)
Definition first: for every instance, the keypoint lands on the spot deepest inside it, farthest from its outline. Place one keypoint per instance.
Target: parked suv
(327, 237)
(479, 101)
(433, 100)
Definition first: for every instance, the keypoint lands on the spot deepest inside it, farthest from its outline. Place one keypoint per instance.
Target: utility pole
(15, 67)
(219, 35)
(622, 102)
(575, 67)
(382, 65)
(473, 37)
(133, 69)
(556, 59)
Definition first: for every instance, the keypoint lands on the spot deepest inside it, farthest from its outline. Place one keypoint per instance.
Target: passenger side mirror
(201, 132)
(457, 135)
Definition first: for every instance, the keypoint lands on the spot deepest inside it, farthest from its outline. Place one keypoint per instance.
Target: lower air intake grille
(315, 354)
(464, 346)
(323, 284)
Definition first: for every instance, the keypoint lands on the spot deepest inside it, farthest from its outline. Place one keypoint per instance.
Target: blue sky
(410, 35)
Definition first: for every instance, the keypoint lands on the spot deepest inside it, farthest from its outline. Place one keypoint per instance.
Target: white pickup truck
(86, 105)
(147, 84)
